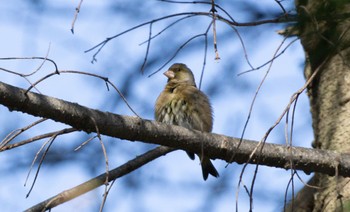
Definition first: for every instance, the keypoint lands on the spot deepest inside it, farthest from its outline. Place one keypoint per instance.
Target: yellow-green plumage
(181, 103)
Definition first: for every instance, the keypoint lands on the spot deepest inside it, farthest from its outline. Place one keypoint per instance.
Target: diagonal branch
(137, 129)
(83, 188)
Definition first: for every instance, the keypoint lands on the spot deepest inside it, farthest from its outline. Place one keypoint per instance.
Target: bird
(182, 103)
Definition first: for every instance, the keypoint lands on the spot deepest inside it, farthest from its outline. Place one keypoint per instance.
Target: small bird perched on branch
(182, 103)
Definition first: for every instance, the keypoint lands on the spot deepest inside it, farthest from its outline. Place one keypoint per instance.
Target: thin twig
(269, 61)
(36, 138)
(84, 143)
(77, 10)
(106, 166)
(88, 74)
(291, 181)
(28, 58)
(213, 11)
(50, 142)
(205, 55)
(253, 101)
(25, 76)
(103, 43)
(167, 27)
(12, 135)
(243, 46)
(281, 6)
(264, 139)
(293, 98)
(174, 55)
(147, 49)
(261, 144)
(289, 142)
(42, 63)
(230, 22)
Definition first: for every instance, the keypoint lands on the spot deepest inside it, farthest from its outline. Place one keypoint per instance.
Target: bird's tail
(208, 168)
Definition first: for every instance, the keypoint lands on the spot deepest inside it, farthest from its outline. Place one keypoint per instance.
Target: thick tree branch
(133, 128)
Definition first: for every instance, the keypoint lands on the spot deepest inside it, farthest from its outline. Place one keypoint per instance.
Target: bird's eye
(177, 70)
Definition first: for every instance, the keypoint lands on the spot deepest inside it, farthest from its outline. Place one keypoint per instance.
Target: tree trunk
(324, 29)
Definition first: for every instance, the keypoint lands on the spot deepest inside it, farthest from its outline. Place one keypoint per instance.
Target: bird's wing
(199, 109)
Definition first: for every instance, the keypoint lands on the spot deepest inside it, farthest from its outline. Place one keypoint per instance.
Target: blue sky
(173, 182)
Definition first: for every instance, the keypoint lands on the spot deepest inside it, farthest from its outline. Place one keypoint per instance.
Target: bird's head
(180, 73)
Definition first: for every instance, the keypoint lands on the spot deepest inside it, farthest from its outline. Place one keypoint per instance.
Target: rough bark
(324, 28)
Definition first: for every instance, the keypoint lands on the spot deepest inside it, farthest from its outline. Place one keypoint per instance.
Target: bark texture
(137, 129)
(324, 28)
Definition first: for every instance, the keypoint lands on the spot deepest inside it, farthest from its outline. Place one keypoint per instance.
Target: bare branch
(17, 132)
(101, 179)
(167, 27)
(269, 61)
(49, 142)
(213, 11)
(204, 56)
(230, 21)
(107, 165)
(137, 129)
(281, 6)
(147, 49)
(77, 10)
(36, 138)
(85, 142)
(177, 51)
(28, 58)
(88, 74)
(260, 146)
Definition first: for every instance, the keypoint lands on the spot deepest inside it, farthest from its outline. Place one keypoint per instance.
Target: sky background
(173, 182)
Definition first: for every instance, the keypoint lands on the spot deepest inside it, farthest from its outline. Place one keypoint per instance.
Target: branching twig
(291, 181)
(27, 58)
(289, 142)
(261, 144)
(88, 74)
(57, 72)
(167, 27)
(12, 135)
(253, 101)
(229, 21)
(281, 6)
(25, 76)
(103, 43)
(271, 60)
(36, 138)
(267, 134)
(177, 51)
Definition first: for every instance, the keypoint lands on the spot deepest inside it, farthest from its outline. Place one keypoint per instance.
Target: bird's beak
(170, 74)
